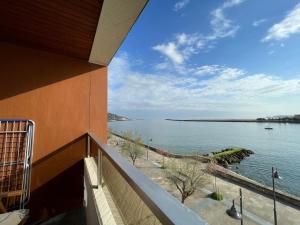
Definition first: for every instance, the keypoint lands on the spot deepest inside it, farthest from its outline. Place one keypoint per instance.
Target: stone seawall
(232, 177)
(166, 152)
(259, 188)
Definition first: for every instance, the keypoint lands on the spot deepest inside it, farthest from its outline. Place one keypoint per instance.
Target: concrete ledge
(100, 208)
(16, 217)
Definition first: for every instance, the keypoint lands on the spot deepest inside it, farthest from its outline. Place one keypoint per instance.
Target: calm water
(279, 147)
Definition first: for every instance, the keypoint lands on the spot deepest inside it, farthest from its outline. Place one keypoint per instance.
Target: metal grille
(16, 143)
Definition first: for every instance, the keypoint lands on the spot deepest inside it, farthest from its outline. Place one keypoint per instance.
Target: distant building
(297, 117)
(261, 119)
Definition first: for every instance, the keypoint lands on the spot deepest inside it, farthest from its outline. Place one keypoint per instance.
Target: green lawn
(228, 152)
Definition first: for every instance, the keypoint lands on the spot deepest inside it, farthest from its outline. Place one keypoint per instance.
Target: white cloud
(230, 73)
(171, 51)
(161, 66)
(180, 50)
(227, 88)
(285, 28)
(221, 25)
(180, 5)
(120, 64)
(231, 3)
(182, 39)
(257, 23)
(223, 72)
(208, 69)
(184, 45)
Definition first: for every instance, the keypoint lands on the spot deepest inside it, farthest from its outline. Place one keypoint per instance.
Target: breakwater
(231, 156)
(236, 120)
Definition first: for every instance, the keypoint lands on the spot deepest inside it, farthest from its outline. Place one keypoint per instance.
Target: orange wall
(65, 97)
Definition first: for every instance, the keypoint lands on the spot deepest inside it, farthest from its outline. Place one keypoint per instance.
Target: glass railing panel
(132, 208)
(138, 199)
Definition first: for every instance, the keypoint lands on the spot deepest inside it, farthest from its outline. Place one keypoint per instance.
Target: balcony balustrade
(132, 197)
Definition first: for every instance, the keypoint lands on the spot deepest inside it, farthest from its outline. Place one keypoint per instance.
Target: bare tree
(187, 176)
(132, 145)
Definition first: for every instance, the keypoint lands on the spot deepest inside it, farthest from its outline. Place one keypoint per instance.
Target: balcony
(114, 191)
(117, 193)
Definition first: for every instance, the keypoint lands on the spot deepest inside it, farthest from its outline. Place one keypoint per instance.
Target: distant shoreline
(119, 120)
(123, 120)
(234, 120)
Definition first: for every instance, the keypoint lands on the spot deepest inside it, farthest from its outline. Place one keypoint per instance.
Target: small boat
(268, 128)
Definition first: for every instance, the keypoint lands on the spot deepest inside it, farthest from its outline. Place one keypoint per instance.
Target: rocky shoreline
(230, 156)
(114, 117)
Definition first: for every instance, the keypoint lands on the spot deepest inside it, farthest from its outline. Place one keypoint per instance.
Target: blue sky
(209, 59)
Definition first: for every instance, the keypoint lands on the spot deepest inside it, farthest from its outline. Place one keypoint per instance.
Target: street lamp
(232, 212)
(241, 206)
(275, 175)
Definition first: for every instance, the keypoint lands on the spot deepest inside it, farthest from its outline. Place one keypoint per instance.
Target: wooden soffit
(62, 26)
(92, 30)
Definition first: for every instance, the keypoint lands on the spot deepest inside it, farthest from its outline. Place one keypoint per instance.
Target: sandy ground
(257, 208)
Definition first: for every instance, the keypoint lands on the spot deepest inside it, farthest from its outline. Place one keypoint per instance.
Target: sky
(209, 59)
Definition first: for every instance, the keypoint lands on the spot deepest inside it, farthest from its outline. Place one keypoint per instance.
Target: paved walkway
(257, 208)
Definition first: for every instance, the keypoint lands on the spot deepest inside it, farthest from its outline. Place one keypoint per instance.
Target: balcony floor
(75, 217)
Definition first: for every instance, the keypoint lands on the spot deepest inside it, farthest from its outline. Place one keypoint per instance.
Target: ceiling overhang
(62, 27)
(91, 30)
(115, 21)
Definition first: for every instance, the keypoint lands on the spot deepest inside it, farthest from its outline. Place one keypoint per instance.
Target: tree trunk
(183, 199)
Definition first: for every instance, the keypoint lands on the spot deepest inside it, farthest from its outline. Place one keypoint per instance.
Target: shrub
(216, 196)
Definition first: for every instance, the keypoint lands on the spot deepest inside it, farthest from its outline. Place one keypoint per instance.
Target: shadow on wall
(57, 181)
(63, 193)
(24, 69)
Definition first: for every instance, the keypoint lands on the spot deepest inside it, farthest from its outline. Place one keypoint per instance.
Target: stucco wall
(65, 97)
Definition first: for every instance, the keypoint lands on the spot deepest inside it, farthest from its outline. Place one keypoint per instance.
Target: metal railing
(16, 144)
(139, 200)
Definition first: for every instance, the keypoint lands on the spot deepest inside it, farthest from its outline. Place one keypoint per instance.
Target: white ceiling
(116, 19)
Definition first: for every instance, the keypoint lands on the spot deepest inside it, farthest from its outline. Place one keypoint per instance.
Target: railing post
(88, 146)
(99, 168)
(241, 206)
